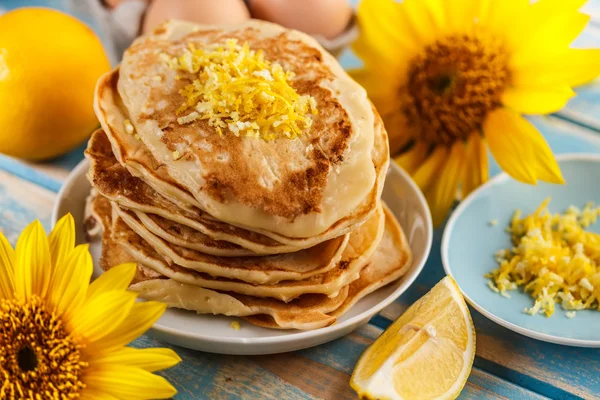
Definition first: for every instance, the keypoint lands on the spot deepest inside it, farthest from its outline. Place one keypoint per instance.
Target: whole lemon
(49, 64)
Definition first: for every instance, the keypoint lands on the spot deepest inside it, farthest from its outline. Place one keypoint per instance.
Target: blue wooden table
(507, 365)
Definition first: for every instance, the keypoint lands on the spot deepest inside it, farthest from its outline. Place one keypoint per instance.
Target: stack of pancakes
(287, 233)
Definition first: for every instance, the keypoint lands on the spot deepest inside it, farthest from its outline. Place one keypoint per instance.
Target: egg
(327, 18)
(224, 12)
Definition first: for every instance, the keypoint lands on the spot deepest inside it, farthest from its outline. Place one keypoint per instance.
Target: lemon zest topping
(239, 91)
(554, 259)
(236, 325)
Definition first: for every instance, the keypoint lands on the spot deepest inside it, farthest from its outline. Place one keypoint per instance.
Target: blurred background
(65, 72)
(54, 140)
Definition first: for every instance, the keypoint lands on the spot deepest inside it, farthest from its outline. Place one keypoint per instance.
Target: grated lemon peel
(554, 259)
(238, 91)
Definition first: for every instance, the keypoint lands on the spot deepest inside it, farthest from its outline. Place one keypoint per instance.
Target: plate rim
(495, 181)
(298, 336)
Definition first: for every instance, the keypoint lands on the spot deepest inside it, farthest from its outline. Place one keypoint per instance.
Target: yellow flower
(452, 78)
(64, 338)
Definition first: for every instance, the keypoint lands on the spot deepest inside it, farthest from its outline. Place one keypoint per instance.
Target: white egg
(327, 18)
(226, 12)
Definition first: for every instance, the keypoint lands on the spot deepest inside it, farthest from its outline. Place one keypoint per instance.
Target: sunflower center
(37, 355)
(26, 359)
(453, 84)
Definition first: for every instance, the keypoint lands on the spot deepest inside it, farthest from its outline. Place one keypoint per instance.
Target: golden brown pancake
(289, 187)
(389, 263)
(309, 311)
(258, 270)
(288, 233)
(306, 312)
(362, 244)
(114, 181)
(99, 220)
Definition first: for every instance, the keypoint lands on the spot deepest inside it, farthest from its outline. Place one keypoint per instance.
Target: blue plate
(469, 244)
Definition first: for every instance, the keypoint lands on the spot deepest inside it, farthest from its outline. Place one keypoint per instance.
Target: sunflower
(64, 338)
(452, 78)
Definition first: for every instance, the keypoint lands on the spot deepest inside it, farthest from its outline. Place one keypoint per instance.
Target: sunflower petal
(33, 268)
(493, 15)
(412, 158)
(572, 67)
(519, 148)
(126, 382)
(398, 134)
(422, 18)
(475, 172)
(141, 318)
(102, 314)
(461, 14)
(62, 239)
(7, 262)
(380, 37)
(426, 174)
(444, 194)
(151, 359)
(116, 278)
(537, 99)
(551, 32)
(71, 280)
(387, 106)
(376, 85)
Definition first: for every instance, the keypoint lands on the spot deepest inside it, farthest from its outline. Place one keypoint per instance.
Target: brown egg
(200, 11)
(327, 18)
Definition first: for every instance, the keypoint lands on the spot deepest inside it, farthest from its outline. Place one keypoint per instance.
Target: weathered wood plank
(297, 375)
(20, 203)
(34, 174)
(49, 174)
(482, 385)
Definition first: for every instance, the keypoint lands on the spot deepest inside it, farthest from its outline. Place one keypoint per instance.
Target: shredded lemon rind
(239, 91)
(554, 259)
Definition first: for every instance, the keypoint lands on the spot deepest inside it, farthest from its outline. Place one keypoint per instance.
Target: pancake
(288, 187)
(390, 262)
(189, 238)
(114, 182)
(306, 312)
(241, 169)
(98, 220)
(117, 183)
(361, 245)
(259, 270)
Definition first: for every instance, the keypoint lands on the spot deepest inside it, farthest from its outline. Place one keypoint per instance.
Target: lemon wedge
(427, 353)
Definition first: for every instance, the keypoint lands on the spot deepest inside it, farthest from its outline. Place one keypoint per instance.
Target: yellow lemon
(49, 64)
(427, 353)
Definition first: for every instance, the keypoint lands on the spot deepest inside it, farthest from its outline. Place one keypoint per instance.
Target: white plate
(214, 333)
